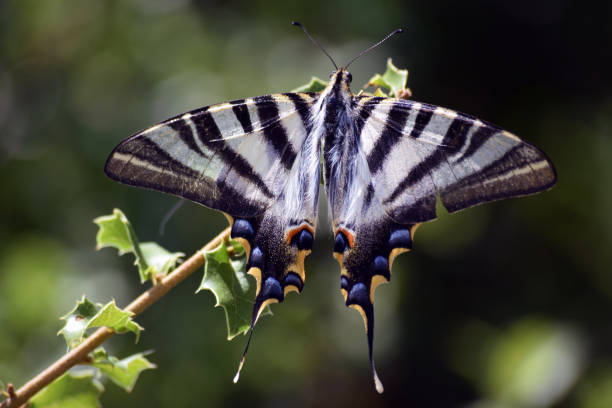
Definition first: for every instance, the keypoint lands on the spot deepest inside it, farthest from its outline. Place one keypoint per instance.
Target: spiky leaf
(394, 79)
(151, 259)
(225, 276)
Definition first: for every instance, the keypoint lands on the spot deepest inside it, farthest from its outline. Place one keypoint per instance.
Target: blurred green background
(503, 305)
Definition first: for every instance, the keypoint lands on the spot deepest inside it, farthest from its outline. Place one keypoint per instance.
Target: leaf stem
(138, 305)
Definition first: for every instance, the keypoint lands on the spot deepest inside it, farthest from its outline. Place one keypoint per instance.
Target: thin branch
(141, 303)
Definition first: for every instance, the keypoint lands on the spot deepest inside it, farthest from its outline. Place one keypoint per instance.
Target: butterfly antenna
(295, 23)
(169, 214)
(398, 31)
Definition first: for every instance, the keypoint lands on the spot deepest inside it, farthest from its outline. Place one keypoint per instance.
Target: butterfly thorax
(337, 129)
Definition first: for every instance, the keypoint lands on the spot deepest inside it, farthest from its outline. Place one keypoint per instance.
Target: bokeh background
(503, 305)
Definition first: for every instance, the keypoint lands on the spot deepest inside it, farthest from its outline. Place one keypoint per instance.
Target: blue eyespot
(256, 258)
(340, 243)
(293, 279)
(305, 239)
(242, 229)
(400, 239)
(381, 265)
(358, 295)
(344, 283)
(271, 289)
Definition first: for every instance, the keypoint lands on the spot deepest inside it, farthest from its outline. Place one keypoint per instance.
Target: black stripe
(209, 134)
(365, 112)
(391, 135)
(303, 109)
(274, 132)
(242, 114)
(456, 135)
(453, 140)
(147, 150)
(479, 138)
(469, 191)
(368, 197)
(421, 121)
(185, 133)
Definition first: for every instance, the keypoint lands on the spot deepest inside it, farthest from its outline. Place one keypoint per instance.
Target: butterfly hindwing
(385, 168)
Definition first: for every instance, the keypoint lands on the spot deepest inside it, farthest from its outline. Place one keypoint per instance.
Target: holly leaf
(160, 260)
(225, 276)
(315, 85)
(394, 80)
(77, 321)
(71, 390)
(115, 231)
(152, 260)
(86, 315)
(116, 319)
(124, 372)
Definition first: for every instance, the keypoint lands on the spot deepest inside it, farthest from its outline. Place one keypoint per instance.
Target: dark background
(504, 304)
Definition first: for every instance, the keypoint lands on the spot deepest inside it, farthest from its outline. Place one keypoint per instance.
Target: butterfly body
(386, 162)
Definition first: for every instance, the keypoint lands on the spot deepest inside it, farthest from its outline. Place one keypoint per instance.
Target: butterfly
(386, 161)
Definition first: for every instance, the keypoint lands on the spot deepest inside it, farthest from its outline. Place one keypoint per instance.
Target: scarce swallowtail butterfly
(385, 163)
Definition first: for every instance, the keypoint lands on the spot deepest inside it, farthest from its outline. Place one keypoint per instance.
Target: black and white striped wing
(256, 161)
(417, 151)
(399, 156)
(234, 157)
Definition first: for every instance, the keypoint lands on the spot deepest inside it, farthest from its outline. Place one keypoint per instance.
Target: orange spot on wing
(349, 236)
(292, 233)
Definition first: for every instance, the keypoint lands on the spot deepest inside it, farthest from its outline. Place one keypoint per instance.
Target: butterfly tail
(276, 260)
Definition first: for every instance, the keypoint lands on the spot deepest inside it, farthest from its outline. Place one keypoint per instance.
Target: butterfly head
(340, 81)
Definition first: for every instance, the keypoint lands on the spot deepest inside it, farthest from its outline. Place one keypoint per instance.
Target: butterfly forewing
(233, 157)
(424, 151)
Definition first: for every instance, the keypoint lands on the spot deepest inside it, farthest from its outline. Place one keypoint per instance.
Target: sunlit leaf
(86, 315)
(225, 276)
(160, 260)
(77, 321)
(71, 390)
(315, 85)
(394, 79)
(116, 319)
(115, 231)
(151, 259)
(125, 372)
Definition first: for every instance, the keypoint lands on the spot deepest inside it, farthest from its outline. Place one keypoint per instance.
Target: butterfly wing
(234, 157)
(417, 151)
(384, 174)
(240, 158)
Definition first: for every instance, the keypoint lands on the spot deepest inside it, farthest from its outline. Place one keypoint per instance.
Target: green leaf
(116, 319)
(315, 85)
(77, 321)
(394, 79)
(225, 276)
(71, 390)
(86, 315)
(115, 231)
(151, 259)
(159, 259)
(124, 372)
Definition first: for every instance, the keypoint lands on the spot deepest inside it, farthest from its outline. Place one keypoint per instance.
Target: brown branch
(141, 303)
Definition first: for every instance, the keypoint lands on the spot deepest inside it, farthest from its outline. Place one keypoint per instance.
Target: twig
(142, 302)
